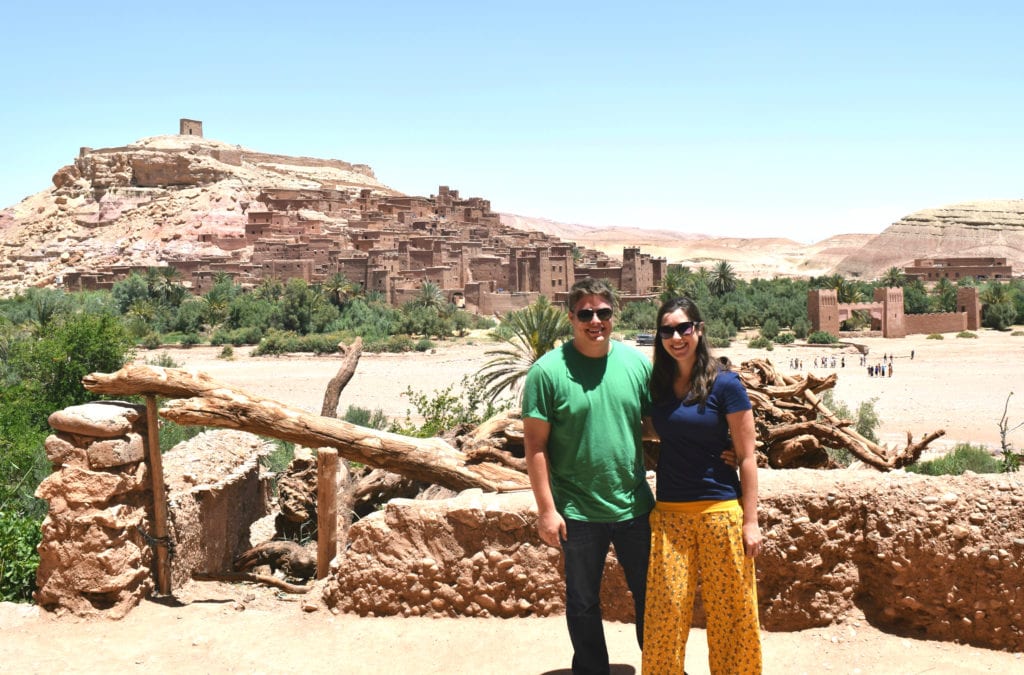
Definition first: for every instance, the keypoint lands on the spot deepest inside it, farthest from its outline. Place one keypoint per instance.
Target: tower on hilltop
(190, 127)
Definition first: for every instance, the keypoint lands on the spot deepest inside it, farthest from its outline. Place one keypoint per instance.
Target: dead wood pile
(794, 427)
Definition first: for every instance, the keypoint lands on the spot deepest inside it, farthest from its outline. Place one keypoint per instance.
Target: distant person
(705, 523)
(583, 404)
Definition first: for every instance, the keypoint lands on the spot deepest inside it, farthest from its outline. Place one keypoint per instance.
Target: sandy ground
(959, 385)
(215, 633)
(956, 384)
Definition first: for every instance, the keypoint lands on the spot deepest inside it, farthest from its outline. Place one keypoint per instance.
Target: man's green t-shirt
(595, 452)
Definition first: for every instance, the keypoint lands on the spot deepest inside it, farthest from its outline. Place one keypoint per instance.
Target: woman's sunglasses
(684, 329)
(603, 314)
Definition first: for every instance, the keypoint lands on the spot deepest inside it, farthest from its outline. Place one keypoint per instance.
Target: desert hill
(173, 196)
(974, 229)
(155, 198)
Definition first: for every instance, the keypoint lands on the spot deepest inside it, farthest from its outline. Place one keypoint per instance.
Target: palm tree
(723, 278)
(994, 293)
(157, 284)
(431, 295)
(893, 278)
(44, 305)
(535, 330)
(674, 283)
(945, 295)
(340, 289)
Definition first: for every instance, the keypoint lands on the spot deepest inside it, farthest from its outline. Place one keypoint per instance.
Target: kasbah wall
(888, 318)
(930, 557)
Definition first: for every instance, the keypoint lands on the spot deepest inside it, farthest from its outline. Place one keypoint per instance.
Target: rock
(100, 419)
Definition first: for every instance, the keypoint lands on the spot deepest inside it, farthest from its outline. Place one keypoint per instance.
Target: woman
(704, 523)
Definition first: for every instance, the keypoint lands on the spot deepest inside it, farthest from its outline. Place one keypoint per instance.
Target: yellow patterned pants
(702, 540)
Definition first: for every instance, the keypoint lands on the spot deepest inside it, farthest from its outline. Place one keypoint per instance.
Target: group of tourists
(587, 405)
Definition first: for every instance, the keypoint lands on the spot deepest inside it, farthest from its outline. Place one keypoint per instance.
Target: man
(582, 409)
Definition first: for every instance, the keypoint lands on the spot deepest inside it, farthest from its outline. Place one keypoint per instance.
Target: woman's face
(679, 336)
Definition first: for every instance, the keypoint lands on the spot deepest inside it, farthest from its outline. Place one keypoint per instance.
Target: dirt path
(221, 631)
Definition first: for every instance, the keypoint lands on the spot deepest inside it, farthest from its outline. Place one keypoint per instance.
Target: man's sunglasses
(603, 314)
(684, 329)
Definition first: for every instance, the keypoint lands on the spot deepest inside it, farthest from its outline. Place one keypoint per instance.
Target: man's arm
(550, 524)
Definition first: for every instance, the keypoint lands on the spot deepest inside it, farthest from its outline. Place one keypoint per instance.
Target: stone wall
(93, 557)
(938, 322)
(96, 554)
(936, 558)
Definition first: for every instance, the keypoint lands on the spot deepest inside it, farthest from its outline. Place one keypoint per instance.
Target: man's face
(590, 328)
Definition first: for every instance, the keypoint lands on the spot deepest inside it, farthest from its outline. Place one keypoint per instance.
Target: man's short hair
(590, 286)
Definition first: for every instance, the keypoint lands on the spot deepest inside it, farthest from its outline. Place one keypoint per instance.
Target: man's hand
(551, 528)
(729, 457)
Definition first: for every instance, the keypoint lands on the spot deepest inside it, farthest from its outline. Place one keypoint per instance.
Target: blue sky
(793, 119)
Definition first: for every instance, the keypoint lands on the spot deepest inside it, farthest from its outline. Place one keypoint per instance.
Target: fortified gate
(826, 313)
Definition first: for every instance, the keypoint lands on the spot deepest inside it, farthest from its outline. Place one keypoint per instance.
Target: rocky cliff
(155, 198)
(973, 229)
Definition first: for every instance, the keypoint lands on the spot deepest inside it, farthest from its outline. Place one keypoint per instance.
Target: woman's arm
(741, 428)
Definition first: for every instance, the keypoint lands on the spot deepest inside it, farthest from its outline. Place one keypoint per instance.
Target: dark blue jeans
(584, 552)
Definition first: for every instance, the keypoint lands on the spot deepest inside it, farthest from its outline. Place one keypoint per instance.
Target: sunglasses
(603, 314)
(684, 329)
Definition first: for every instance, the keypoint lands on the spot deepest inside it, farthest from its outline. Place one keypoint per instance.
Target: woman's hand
(751, 539)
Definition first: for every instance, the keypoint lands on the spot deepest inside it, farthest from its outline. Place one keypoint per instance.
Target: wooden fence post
(156, 470)
(326, 509)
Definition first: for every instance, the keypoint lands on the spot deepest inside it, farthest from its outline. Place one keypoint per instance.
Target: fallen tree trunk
(200, 400)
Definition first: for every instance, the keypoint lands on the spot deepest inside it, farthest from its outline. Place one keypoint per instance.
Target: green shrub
(280, 457)
(424, 345)
(801, 327)
(164, 360)
(247, 335)
(785, 338)
(172, 433)
(760, 342)
(189, 340)
(227, 353)
(865, 422)
(444, 410)
(20, 534)
(820, 337)
(275, 343)
(770, 329)
(1017, 333)
(934, 336)
(966, 334)
(965, 457)
(392, 344)
(364, 418)
(502, 333)
(1000, 315)
(719, 342)
(152, 341)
